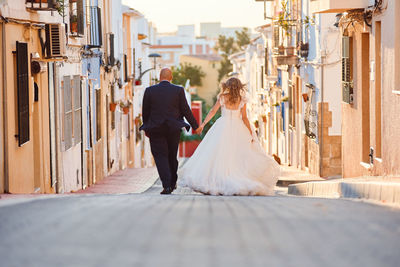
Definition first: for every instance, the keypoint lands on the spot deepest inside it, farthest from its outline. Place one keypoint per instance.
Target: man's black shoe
(166, 191)
(174, 188)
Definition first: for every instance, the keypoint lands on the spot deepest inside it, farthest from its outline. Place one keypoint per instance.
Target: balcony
(42, 5)
(337, 6)
(285, 56)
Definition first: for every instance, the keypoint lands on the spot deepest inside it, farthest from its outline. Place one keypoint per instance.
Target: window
(76, 17)
(67, 124)
(23, 93)
(96, 39)
(72, 103)
(125, 68)
(347, 75)
(112, 113)
(98, 114)
(77, 91)
(111, 58)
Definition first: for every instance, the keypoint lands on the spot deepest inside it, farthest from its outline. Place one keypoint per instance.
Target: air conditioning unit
(55, 41)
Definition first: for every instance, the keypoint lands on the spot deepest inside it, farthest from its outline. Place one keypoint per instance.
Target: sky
(167, 14)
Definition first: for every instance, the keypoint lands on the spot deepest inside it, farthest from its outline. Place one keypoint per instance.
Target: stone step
(382, 191)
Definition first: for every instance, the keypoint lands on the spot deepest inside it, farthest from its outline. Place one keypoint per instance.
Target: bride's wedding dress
(227, 162)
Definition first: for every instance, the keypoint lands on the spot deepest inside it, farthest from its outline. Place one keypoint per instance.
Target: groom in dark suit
(164, 107)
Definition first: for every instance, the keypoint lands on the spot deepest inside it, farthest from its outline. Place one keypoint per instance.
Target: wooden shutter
(111, 57)
(23, 93)
(126, 68)
(95, 27)
(80, 17)
(67, 113)
(100, 32)
(77, 109)
(98, 114)
(276, 36)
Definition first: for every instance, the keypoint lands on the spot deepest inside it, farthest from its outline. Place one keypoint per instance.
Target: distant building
(183, 42)
(209, 65)
(211, 30)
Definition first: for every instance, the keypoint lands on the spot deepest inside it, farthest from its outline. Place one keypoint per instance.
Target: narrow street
(189, 229)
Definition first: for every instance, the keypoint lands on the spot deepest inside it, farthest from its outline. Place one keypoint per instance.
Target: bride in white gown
(230, 160)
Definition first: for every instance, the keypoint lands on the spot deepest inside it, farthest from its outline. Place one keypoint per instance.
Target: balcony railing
(336, 6)
(42, 5)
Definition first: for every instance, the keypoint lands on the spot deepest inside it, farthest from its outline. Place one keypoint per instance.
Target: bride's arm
(245, 119)
(209, 116)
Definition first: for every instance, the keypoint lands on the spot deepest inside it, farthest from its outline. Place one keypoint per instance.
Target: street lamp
(152, 55)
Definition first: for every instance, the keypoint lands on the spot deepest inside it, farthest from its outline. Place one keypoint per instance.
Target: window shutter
(99, 26)
(67, 113)
(95, 27)
(98, 114)
(23, 93)
(347, 90)
(80, 17)
(77, 109)
(276, 36)
(112, 58)
(126, 68)
(266, 61)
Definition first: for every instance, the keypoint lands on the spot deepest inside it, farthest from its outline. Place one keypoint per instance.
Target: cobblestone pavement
(187, 229)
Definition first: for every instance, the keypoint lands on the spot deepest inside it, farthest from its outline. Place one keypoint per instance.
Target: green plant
(187, 71)
(227, 46)
(60, 6)
(285, 99)
(284, 18)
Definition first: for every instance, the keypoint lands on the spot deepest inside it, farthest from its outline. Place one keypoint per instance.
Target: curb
(386, 192)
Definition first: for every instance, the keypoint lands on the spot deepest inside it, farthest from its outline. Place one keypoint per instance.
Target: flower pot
(74, 27)
(113, 106)
(125, 110)
(290, 51)
(264, 118)
(305, 97)
(281, 50)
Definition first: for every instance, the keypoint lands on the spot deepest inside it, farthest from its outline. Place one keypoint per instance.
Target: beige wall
(210, 85)
(29, 166)
(2, 170)
(353, 130)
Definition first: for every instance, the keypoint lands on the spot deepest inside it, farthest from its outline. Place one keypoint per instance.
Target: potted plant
(125, 107)
(305, 97)
(74, 23)
(256, 124)
(113, 106)
(281, 49)
(290, 50)
(303, 49)
(264, 118)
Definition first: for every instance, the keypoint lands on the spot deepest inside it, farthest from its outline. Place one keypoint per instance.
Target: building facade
(69, 99)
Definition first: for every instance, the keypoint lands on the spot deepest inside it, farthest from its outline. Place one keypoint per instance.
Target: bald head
(166, 74)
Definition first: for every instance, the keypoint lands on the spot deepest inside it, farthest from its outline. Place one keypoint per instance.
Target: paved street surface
(188, 229)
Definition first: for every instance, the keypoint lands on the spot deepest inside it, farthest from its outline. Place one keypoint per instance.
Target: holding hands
(199, 130)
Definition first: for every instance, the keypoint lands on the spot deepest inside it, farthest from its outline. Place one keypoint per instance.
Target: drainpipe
(5, 122)
(321, 143)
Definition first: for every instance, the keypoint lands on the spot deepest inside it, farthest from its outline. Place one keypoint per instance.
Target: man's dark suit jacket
(165, 104)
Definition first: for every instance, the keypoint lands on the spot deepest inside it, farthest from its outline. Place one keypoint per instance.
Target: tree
(227, 46)
(187, 71)
(243, 37)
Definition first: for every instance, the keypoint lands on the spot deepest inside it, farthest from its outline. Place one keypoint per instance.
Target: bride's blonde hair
(232, 90)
